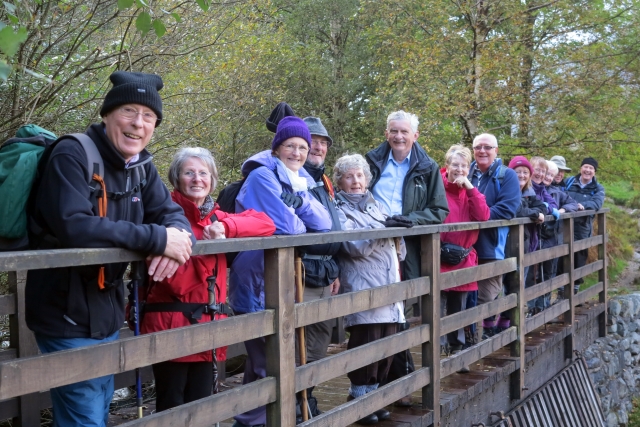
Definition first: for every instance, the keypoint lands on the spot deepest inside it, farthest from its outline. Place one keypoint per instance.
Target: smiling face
(456, 168)
(293, 153)
(318, 151)
(587, 172)
(549, 177)
(559, 177)
(129, 136)
(523, 176)
(485, 152)
(353, 181)
(539, 172)
(401, 138)
(194, 181)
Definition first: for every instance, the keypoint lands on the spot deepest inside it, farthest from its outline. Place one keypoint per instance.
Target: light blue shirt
(388, 189)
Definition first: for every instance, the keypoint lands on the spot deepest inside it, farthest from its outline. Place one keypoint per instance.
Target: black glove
(398, 221)
(291, 200)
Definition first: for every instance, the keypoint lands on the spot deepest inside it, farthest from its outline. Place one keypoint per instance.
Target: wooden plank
(583, 296)
(218, 407)
(430, 307)
(588, 269)
(515, 245)
(31, 260)
(602, 274)
(472, 354)
(463, 276)
(280, 352)
(8, 354)
(352, 411)
(541, 255)
(546, 286)
(580, 245)
(353, 302)
(546, 316)
(466, 317)
(24, 341)
(22, 376)
(340, 364)
(7, 304)
(568, 266)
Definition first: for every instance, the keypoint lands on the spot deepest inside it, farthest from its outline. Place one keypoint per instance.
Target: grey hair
(348, 162)
(551, 166)
(458, 150)
(486, 136)
(403, 115)
(186, 153)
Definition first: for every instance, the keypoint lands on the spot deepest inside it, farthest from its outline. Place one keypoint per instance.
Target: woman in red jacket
(466, 204)
(181, 300)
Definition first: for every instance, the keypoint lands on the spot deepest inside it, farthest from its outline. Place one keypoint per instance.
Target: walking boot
(369, 419)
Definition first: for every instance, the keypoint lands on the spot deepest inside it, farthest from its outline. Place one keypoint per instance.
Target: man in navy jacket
(74, 307)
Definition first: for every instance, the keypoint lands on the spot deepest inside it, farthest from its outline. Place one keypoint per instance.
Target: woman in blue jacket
(276, 184)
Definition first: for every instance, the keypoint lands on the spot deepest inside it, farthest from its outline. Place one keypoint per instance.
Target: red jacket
(464, 206)
(189, 283)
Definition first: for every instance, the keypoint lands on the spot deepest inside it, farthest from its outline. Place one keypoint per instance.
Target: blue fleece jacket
(266, 180)
(503, 198)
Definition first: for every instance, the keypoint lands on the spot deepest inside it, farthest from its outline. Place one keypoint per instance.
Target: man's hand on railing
(178, 245)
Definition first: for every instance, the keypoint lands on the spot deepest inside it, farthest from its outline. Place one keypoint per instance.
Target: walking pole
(211, 289)
(136, 276)
(301, 340)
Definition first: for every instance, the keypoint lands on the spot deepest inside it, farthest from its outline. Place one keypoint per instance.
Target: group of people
(285, 190)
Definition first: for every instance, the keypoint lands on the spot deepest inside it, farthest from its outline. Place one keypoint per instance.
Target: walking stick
(301, 340)
(211, 289)
(136, 276)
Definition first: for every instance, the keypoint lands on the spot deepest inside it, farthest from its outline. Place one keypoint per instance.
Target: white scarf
(298, 183)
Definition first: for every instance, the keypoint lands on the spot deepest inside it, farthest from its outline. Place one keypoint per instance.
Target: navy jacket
(503, 198)
(591, 197)
(66, 302)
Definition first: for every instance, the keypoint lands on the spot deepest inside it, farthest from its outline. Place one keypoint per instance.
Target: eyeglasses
(132, 113)
(483, 147)
(303, 149)
(322, 142)
(192, 174)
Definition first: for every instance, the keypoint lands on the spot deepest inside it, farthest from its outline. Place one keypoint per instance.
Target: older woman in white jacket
(366, 264)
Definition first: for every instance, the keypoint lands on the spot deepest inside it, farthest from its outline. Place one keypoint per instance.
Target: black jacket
(530, 207)
(424, 199)
(321, 273)
(591, 197)
(66, 302)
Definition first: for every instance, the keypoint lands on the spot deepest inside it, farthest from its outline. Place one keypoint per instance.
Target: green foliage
(634, 416)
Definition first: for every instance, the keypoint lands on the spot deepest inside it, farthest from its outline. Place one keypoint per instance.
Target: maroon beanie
(520, 161)
(291, 127)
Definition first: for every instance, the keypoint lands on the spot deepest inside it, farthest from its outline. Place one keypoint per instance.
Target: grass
(634, 416)
(623, 193)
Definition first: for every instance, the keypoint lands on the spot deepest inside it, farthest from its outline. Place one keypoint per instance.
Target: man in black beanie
(589, 194)
(81, 306)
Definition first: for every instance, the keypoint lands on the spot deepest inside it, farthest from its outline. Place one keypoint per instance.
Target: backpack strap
(95, 165)
(500, 176)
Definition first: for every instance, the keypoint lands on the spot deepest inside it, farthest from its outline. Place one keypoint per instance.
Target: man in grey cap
(321, 268)
(558, 181)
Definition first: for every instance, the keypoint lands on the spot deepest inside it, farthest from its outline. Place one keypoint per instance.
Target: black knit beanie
(134, 88)
(281, 111)
(590, 161)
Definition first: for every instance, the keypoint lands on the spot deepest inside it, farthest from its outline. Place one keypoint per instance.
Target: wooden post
(515, 247)
(567, 267)
(430, 309)
(602, 274)
(24, 341)
(279, 289)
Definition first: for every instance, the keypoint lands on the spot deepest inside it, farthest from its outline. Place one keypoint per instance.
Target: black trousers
(178, 383)
(579, 260)
(402, 363)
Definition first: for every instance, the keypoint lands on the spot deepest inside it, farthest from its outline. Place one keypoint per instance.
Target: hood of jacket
(268, 160)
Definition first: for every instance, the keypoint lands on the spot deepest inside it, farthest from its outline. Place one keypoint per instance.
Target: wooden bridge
(26, 377)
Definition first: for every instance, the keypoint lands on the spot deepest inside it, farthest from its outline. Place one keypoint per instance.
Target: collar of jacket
(362, 202)
(191, 211)
(419, 163)
(492, 169)
(108, 151)
(316, 172)
(591, 185)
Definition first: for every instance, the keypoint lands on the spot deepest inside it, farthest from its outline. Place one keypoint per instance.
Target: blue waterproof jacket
(503, 198)
(266, 180)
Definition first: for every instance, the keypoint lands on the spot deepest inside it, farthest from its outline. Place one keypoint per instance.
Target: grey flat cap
(317, 128)
(560, 161)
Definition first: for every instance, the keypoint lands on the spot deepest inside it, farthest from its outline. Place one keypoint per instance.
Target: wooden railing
(24, 374)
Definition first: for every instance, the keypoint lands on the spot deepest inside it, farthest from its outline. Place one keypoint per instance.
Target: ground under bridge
(505, 368)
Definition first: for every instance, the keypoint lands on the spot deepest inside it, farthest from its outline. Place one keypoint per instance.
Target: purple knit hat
(520, 161)
(290, 127)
